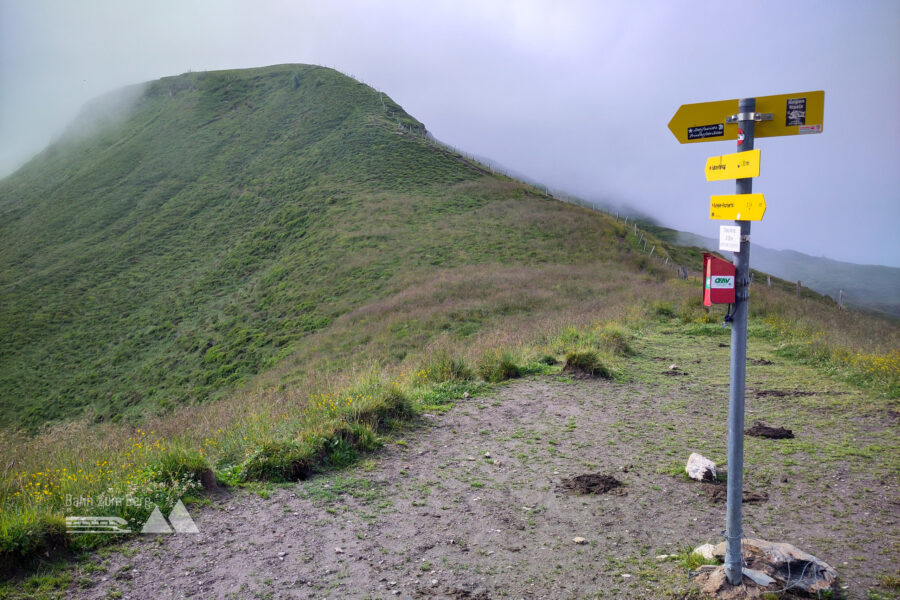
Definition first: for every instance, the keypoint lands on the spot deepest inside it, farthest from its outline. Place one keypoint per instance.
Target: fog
(576, 95)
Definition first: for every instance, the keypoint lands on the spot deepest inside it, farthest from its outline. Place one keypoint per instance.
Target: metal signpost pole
(782, 115)
(733, 532)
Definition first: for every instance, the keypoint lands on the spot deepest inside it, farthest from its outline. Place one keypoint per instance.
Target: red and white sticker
(810, 129)
(740, 136)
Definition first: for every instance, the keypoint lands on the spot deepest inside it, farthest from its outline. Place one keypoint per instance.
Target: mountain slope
(187, 234)
(873, 288)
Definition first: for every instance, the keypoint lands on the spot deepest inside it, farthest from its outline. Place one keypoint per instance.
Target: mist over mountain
(874, 288)
(186, 235)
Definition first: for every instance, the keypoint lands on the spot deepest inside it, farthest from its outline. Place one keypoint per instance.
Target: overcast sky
(576, 95)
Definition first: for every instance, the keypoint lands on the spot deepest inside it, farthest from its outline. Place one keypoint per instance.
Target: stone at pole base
(769, 567)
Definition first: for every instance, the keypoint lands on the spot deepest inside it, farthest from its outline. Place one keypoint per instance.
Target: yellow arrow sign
(791, 114)
(733, 166)
(737, 207)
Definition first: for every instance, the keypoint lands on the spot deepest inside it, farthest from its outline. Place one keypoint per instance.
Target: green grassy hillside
(187, 234)
(289, 243)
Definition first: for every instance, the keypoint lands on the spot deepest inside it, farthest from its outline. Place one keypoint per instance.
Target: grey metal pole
(733, 532)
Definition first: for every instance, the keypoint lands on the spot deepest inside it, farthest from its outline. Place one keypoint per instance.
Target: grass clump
(587, 362)
(609, 338)
(445, 367)
(18, 539)
(662, 310)
(179, 463)
(335, 430)
(615, 339)
(383, 407)
(280, 461)
(693, 311)
(496, 366)
(692, 561)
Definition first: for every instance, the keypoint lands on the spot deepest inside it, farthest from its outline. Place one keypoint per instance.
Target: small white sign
(721, 282)
(730, 238)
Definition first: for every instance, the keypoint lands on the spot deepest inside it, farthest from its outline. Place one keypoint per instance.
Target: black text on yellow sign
(791, 114)
(737, 207)
(733, 166)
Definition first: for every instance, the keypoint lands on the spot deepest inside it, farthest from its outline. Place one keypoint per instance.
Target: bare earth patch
(469, 506)
(761, 430)
(592, 483)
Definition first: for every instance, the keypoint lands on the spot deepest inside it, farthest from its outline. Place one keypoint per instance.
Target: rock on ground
(786, 564)
(700, 468)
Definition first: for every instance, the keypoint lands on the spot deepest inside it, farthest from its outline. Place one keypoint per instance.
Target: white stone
(700, 468)
(707, 551)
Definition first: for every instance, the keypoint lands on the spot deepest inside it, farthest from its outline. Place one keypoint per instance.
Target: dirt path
(470, 504)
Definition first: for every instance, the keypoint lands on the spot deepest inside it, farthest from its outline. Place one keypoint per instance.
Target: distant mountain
(872, 288)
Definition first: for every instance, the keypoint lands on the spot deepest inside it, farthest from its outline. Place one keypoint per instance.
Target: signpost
(742, 120)
(785, 114)
(733, 166)
(740, 207)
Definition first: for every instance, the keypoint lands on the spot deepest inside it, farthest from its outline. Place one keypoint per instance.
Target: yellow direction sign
(737, 207)
(785, 114)
(733, 166)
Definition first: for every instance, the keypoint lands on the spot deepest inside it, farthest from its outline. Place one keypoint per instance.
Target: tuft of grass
(179, 463)
(616, 339)
(445, 367)
(691, 561)
(496, 366)
(662, 309)
(587, 362)
(29, 534)
(283, 460)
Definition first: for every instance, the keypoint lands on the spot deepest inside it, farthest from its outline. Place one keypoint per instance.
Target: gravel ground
(474, 504)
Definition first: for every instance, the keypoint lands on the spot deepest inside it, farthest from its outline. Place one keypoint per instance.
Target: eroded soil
(472, 503)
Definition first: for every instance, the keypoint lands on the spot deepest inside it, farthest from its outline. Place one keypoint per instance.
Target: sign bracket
(750, 116)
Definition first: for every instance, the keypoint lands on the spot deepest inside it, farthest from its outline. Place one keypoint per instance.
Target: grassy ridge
(165, 257)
